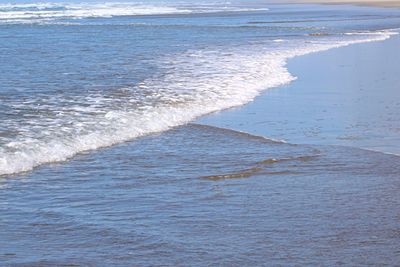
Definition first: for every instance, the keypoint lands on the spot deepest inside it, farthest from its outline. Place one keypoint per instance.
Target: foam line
(196, 83)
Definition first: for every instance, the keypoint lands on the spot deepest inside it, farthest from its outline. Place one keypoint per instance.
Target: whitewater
(199, 83)
(52, 120)
(149, 133)
(45, 12)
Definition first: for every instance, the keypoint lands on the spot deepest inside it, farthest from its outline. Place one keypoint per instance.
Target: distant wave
(199, 82)
(24, 13)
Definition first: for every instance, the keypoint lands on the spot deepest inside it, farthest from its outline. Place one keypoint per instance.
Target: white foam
(196, 83)
(52, 11)
(25, 13)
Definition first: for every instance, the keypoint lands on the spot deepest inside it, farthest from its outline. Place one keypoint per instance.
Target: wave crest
(196, 83)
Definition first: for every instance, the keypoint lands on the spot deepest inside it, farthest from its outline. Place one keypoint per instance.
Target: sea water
(99, 166)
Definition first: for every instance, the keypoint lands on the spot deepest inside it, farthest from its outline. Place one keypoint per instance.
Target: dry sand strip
(385, 3)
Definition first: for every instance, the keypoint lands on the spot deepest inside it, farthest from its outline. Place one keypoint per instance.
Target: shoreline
(334, 100)
(126, 135)
(374, 3)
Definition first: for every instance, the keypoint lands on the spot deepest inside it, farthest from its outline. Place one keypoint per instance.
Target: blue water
(99, 166)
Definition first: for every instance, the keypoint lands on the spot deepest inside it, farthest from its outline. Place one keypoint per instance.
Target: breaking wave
(195, 83)
(39, 12)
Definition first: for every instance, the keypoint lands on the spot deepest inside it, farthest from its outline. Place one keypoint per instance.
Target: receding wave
(261, 168)
(248, 173)
(194, 83)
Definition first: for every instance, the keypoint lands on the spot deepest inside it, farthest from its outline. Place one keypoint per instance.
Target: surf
(195, 83)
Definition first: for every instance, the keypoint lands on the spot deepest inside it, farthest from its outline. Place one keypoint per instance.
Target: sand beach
(346, 96)
(185, 133)
(384, 3)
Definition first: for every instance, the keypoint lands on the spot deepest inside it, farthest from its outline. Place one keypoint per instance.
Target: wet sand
(387, 3)
(199, 195)
(346, 96)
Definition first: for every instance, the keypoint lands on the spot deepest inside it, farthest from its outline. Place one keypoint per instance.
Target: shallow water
(73, 84)
(156, 202)
(99, 166)
(347, 96)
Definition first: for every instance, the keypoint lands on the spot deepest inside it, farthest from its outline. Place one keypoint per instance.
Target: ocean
(102, 162)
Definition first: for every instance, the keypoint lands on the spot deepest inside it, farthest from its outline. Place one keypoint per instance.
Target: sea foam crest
(84, 10)
(24, 13)
(198, 82)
